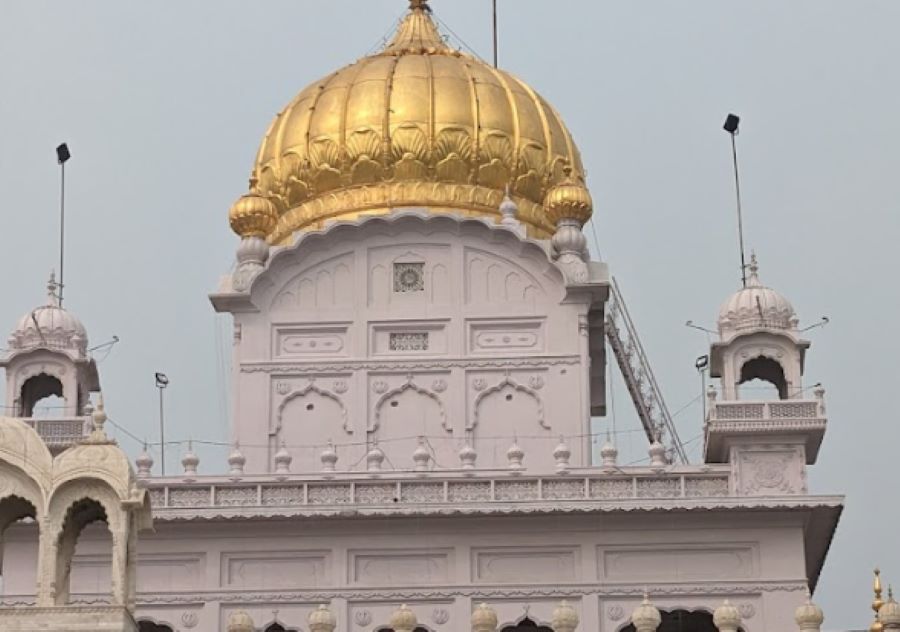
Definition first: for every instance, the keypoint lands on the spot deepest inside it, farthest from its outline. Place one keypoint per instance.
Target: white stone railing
(58, 432)
(436, 490)
(781, 409)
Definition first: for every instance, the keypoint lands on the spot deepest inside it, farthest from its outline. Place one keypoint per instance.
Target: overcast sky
(163, 105)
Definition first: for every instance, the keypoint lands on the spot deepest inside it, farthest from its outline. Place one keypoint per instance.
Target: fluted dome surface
(756, 306)
(418, 124)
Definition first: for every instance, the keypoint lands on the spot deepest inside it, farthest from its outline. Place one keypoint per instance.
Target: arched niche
(509, 410)
(682, 621)
(762, 369)
(403, 414)
(311, 417)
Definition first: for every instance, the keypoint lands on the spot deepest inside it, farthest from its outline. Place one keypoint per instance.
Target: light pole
(161, 383)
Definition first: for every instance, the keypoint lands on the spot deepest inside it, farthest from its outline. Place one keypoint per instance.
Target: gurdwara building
(420, 345)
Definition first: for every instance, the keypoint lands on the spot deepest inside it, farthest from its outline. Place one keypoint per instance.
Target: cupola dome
(418, 124)
(49, 327)
(756, 307)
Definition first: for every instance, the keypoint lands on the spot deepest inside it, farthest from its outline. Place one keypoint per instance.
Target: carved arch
(71, 508)
(496, 388)
(678, 619)
(313, 388)
(409, 384)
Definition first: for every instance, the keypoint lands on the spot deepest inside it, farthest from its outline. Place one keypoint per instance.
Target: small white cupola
(778, 431)
(758, 339)
(47, 355)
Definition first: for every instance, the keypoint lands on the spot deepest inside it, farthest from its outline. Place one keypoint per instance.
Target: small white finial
(329, 458)
(283, 460)
(657, 454)
(609, 454)
(374, 458)
(646, 618)
(421, 456)
(98, 419)
(753, 267)
(236, 461)
(467, 457)
(515, 456)
(144, 463)
(404, 620)
(509, 211)
(561, 454)
(190, 461)
(240, 621)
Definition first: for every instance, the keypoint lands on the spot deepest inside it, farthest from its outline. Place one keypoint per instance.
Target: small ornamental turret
(609, 455)
(236, 461)
(98, 419)
(329, 458)
(190, 461)
(561, 454)
(144, 463)
(374, 458)
(809, 616)
(421, 456)
(404, 620)
(657, 454)
(889, 613)
(727, 618)
(252, 217)
(484, 619)
(467, 457)
(322, 620)
(515, 455)
(646, 618)
(240, 621)
(565, 618)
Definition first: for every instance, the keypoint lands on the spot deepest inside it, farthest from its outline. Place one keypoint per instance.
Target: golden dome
(416, 125)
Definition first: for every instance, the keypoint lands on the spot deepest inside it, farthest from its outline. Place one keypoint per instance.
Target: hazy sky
(163, 104)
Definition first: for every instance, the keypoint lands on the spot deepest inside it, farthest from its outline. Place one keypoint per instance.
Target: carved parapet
(794, 421)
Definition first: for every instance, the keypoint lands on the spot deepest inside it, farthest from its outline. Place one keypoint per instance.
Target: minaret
(47, 356)
(769, 443)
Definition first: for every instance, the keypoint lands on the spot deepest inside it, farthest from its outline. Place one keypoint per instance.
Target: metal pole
(162, 433)
(703, 391)
(62, 229)
(495, 32)
(737, 190)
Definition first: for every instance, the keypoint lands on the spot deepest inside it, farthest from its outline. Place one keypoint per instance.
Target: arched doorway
(764, 378)
(682, 621)
(17, 510)
(527, 625)
(42, 395)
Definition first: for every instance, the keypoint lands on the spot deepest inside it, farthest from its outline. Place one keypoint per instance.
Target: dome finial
(419, 5)
(52, 290)
(753, 281)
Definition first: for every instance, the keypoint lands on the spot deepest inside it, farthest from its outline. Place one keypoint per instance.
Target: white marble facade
(275, 537)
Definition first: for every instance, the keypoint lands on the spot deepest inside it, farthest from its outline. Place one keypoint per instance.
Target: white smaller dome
(404, 619)
(49, 326)
(727, 617)
(646, 616)
(240, 621)
(756, 307)
(484, 618)
(809, 616)
(322, 619)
